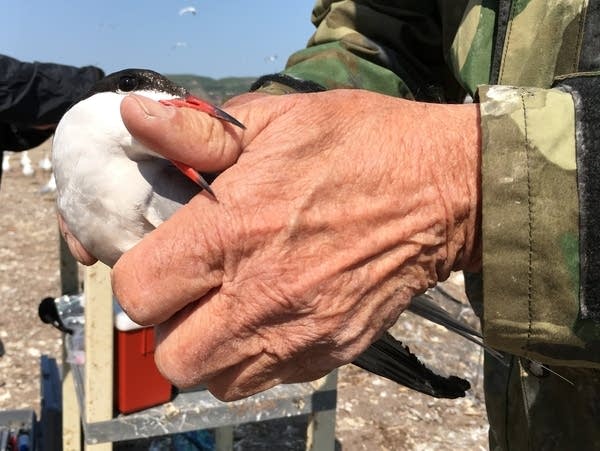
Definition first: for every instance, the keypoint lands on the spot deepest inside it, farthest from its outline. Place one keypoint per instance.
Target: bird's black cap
(131, 80)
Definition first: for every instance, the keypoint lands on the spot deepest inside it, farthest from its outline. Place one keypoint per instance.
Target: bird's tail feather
(389, 358)
(424, 306)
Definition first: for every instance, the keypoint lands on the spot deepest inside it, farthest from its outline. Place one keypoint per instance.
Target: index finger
(174, 265)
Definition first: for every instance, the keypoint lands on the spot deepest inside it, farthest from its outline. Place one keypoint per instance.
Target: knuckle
(131, 295)
(172, 365)
(227, 389)
(223, 393)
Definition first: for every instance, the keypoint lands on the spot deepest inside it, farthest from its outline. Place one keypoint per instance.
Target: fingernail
(153, 108)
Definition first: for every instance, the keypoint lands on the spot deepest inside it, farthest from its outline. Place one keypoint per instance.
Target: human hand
(333, 210)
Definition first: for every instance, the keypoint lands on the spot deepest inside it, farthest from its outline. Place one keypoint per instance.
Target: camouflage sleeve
(394, 49)
(541, 253)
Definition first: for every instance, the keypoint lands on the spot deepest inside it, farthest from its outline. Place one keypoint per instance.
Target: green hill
(215, 90)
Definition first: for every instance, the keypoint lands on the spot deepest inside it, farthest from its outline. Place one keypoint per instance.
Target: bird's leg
(194, 176)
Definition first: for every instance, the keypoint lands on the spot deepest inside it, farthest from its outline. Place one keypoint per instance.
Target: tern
(111, 191)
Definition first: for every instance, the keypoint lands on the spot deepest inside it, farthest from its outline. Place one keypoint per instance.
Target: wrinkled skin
(333, 210)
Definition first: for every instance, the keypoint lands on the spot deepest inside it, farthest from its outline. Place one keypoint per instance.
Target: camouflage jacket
(534, 67)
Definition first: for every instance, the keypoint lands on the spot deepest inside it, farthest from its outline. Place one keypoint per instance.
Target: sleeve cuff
(531, 224)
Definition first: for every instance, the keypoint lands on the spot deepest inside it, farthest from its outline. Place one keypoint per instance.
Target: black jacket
(37, 94)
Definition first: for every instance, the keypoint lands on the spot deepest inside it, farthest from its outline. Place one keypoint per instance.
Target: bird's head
(97, 119)
(139, 81)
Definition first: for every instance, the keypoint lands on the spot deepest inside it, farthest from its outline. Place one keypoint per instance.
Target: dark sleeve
(37, 93)
(16, 139)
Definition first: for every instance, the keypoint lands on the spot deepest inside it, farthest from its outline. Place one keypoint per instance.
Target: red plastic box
(138, 383)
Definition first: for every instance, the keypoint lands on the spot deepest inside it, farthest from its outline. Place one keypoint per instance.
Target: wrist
(459, 181)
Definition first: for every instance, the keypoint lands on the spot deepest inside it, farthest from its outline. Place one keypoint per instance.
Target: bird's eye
(127, 83)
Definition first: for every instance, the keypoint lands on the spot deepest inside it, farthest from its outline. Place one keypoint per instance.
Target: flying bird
(111, 191)
(187, 10)
(179, 44)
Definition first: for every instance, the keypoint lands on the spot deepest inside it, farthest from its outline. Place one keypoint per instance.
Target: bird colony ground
(372, 413)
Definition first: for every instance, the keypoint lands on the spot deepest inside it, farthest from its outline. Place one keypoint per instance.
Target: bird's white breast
(110, 188)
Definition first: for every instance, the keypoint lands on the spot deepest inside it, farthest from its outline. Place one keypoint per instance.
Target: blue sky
(224, 38)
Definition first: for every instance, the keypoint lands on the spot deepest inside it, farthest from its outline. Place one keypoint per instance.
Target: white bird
(26, 167)
(6, 162)
(50, 185)
(111, 190)
(45, 164)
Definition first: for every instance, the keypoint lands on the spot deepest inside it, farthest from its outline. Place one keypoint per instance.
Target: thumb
(182, 134)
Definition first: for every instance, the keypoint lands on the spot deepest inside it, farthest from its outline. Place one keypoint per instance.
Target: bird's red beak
(194, 102)
(191, 101)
